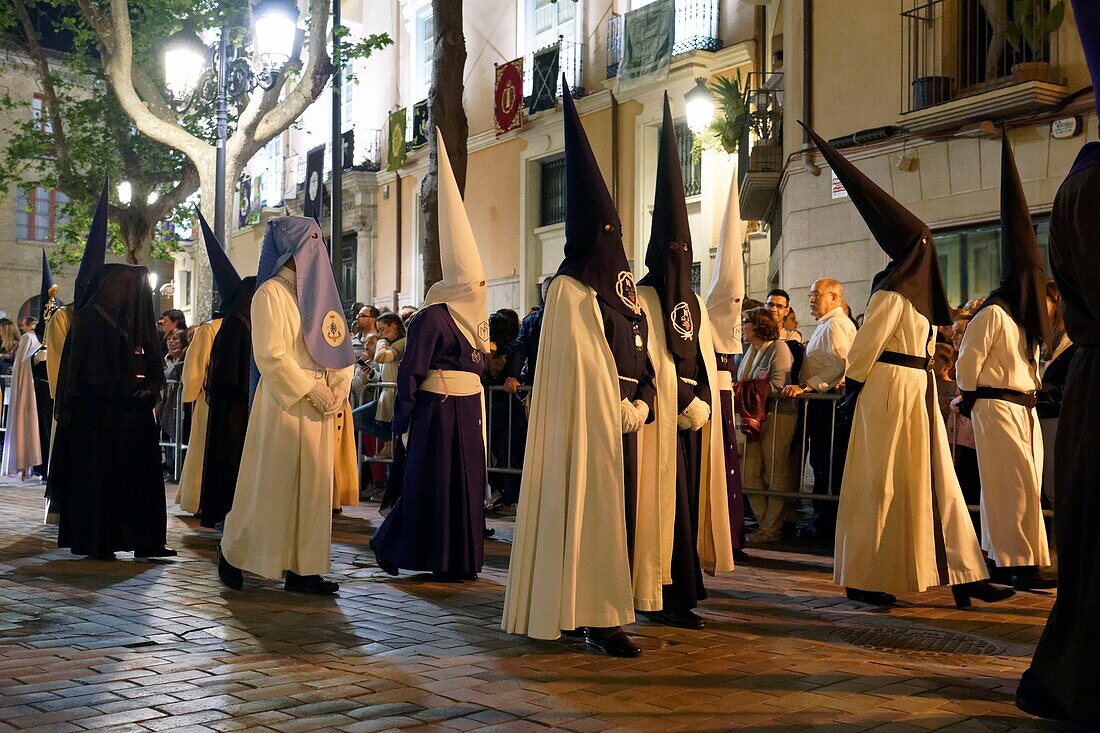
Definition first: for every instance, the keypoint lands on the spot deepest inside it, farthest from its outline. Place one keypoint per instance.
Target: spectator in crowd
(9, 341)
(407, 312)
(1053, 371)
(778, 304)
(27, 324)
(169, 321)
(521, 367)
(822, 372)
(176, 343)
(375, 417)
(767, 463)
(790, 323)
(364, 333)
(507, 421)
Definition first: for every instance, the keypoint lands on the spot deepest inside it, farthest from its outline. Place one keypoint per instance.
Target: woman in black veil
(107, 481)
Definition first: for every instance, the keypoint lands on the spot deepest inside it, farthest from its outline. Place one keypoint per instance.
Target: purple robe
(438, 522)
(733, 460)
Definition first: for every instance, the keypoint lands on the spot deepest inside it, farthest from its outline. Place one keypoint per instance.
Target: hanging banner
(648, 37)
(508, 97)
(347, 148)
(544, 74)
(315, 173)
(244, 200)
(290, 178)
(397, 140)
(420, 124)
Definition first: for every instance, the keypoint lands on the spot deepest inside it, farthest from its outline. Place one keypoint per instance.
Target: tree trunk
(447, 113)
(137, 235)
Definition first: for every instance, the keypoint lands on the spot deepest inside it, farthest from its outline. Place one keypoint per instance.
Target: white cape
(569, 566)
(657, 470)
(22, 447)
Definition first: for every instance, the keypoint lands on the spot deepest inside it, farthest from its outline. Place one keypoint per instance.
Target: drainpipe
(397, 238)
(615, 150)
(808, 83)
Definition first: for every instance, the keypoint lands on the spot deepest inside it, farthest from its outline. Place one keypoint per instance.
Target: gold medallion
(334, 329)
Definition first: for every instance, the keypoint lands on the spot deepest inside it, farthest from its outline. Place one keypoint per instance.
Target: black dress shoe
(1029, 577)
(870, 597)
(155, 552)
(309, 584)
(387, 567)
(685, 619)
(980, 589)
(574, 633)
(1034, 699)
(231, 576)
(740, 555)
(489, 532)
(612, 642)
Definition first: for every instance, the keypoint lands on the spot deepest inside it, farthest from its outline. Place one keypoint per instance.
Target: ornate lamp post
(700, 106)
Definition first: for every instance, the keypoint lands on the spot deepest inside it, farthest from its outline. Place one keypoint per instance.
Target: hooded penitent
(1086, 13)
(727, 280)
(324, 328)
(462, 288)
(95, 250)
(1022, 291)
(669, 255)
(225, 275)
(47, 294)
(914, 269)
(593, 233)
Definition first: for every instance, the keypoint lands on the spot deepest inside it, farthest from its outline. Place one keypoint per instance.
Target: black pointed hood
(914, 269)
(47, 300)
(226, 278)
(1086, 14)
(669, 256)
(1022, 291)
(594, 252)
(95, 252)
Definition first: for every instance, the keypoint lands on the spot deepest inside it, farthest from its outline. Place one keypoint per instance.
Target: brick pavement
(122, 646)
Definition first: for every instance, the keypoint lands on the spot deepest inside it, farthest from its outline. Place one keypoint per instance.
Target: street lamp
(700, 106)
(194, 72)
(125, 193)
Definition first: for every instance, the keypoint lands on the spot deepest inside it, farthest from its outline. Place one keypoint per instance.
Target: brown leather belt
(924, 363)
(1015, 396)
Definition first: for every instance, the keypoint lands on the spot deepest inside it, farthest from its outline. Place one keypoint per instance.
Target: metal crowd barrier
(5, 383)
(376, 388)
(178, 446)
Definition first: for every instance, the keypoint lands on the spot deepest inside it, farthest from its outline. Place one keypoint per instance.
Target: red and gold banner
(508, 96)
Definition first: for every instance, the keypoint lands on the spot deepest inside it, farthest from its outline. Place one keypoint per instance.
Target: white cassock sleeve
(286, 380)
(974, 350)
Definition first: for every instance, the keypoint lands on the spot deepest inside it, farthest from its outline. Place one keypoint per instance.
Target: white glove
(694, 416)
(643, 412)
(628, 417)
(322, 398)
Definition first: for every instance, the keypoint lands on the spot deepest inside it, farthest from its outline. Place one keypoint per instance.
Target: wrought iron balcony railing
(570, 63)
(696, 30)
(958, 48)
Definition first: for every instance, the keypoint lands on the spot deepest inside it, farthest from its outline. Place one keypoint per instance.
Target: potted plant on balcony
(1029, 31)
(728, 128)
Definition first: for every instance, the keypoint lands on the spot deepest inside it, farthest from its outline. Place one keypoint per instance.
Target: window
(347, 100)
(691, 169)
(552, 192)
(40, 113)
(549, 21)
(970, 259)
(185, 291)
(38, 213)
(425, 52)
(270, 191)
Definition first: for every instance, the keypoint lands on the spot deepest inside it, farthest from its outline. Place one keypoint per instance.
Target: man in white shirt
(822, 371)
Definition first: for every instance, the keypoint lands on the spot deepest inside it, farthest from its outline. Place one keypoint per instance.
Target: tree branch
(116, 45)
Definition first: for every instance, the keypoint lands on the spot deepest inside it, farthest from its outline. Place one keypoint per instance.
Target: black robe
(227, 396)
(1065, 658)
(105, 479)
(636, 382)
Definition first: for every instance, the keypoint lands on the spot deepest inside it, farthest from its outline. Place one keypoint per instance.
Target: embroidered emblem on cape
(483, 330)
(475, 356)
(681, 321)
(334, 329)
(638, 343)
(627, 292)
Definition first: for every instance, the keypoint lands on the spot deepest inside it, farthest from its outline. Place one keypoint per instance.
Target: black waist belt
(1015, 396)
(924, 363)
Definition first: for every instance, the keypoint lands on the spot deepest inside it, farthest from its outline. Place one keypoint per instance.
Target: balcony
(760, 167)
(570, 62)
(696, 30)
(372, 150)
(968, 60)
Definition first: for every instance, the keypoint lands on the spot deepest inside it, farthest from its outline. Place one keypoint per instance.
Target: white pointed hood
(462, 288)
(727, 280)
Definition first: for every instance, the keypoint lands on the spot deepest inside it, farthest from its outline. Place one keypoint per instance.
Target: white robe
(569, 565)
(656, 511)
(22, 444)
(886, 532)
(994, 353)
(282, 510)
(196, 363)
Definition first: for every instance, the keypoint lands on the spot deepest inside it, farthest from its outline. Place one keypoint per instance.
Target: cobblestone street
(124, 646)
